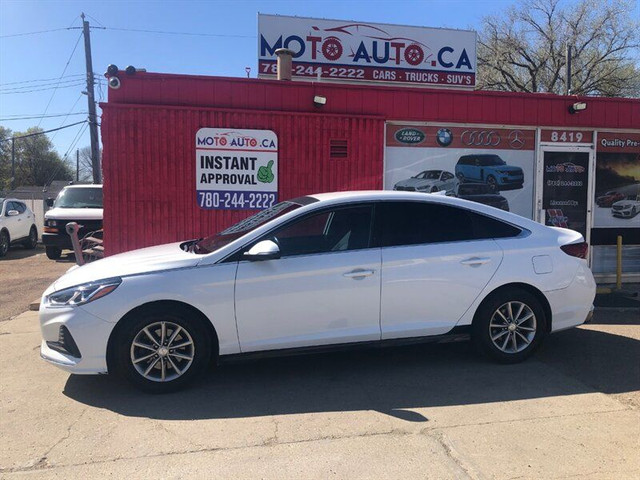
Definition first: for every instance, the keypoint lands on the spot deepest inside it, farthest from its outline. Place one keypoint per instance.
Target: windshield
(492, 160)
(219, 240)
(79, 198)
(429, 175)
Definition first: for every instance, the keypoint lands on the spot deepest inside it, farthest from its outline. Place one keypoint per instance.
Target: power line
(65, 118)
(40, 116)
(63, 72)
(42, 133)
(44, 90)
(33, 33)
(43, 86)
(42, 79)
(193, 34)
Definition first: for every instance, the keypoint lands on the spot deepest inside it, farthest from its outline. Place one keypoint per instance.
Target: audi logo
(480, 138)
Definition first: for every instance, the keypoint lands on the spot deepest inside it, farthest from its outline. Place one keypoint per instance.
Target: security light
(577, 107)
(319, 100)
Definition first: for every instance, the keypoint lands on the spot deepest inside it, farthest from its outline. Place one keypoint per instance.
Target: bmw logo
(444, 137)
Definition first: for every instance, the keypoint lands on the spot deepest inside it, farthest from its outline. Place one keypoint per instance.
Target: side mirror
(264, 250)
(49, 202)
(12, 213)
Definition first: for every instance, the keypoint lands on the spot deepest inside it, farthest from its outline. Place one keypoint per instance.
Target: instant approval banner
(236, 169)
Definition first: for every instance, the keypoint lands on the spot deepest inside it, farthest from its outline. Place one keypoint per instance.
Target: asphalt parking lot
(429, 411)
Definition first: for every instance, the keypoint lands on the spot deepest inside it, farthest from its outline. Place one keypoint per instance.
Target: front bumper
(60, 240)
(89, 333)
(628, 213)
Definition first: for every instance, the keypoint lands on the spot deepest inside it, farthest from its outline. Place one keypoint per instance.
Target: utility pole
(77, 164)
(569, 59)
(13, 163)
(93, 121)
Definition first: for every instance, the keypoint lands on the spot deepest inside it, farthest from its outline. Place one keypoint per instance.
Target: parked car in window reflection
(429, 181)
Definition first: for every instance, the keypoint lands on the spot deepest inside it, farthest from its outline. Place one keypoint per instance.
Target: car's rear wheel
(4, 243)
(53, 253)
(509, 325)
(161, 350)
(32, 241)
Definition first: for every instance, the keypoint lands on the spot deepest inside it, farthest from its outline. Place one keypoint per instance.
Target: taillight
(579, 250)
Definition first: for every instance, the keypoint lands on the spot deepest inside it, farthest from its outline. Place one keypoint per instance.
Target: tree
(36, 162)
(525, 49)
(86, 166)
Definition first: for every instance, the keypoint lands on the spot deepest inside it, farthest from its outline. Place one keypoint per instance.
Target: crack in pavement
(455, 456)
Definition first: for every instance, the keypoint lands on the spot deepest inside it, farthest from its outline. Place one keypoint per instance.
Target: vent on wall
(338, 148)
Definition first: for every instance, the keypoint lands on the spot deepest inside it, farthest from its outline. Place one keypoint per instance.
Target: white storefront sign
(358, 51)
(236, 169)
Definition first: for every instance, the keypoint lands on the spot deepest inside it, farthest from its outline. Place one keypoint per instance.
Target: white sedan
(320, 271)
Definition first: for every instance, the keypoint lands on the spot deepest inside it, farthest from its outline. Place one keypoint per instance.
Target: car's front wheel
(4, 243)
(162, 350)
(509, 325)
(53, 253)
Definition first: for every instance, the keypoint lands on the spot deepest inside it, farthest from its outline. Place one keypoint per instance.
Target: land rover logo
(410, 135)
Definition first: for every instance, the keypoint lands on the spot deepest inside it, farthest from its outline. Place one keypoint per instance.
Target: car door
(324, 289)
(433, 266)
(24, 219)
(13, 222)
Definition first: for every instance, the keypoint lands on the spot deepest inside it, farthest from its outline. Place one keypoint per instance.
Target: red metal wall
(149, 127)
(392, 103)
(149, 164)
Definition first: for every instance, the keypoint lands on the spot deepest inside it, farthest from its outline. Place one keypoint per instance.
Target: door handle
(475, 261)
(359, 273)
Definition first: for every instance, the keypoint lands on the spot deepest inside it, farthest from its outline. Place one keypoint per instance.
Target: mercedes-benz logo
(480, 138)
(515, 139)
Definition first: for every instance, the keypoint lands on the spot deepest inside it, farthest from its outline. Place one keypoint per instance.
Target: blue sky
(44, 55)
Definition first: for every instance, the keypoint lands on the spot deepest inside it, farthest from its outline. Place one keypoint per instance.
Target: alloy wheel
(162, 351)
(512, 327)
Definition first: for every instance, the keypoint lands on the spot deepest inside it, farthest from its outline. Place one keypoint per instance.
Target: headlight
(81, 294)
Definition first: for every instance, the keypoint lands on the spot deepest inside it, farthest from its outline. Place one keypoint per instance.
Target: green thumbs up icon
(265, 175)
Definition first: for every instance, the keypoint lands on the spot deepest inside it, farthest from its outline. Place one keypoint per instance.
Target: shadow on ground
(385, 380)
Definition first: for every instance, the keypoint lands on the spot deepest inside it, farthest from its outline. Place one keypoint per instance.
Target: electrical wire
(40, 116)
(63, 72)
(2, 140)
(193, 34)
(65, 118)
(32, 33)
(43, 86)
(44, 90)
(42, 79)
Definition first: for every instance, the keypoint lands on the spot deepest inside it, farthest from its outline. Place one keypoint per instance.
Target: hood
(74, 214)
(145, 260)
(416, 182)
(626, 203)
(508, 168)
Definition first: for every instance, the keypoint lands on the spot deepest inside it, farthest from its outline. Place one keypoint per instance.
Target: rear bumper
(573, 306)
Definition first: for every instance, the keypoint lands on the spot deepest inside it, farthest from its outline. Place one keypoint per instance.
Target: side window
(329, 231)
(21, 207)
(10, 206)
(414, 223)
(487, 227)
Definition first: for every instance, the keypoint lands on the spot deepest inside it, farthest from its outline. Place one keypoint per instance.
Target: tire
(159, 368)
(31, 242)
(492, 183)
(53, 253)
(489, 328)
(4, 243)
